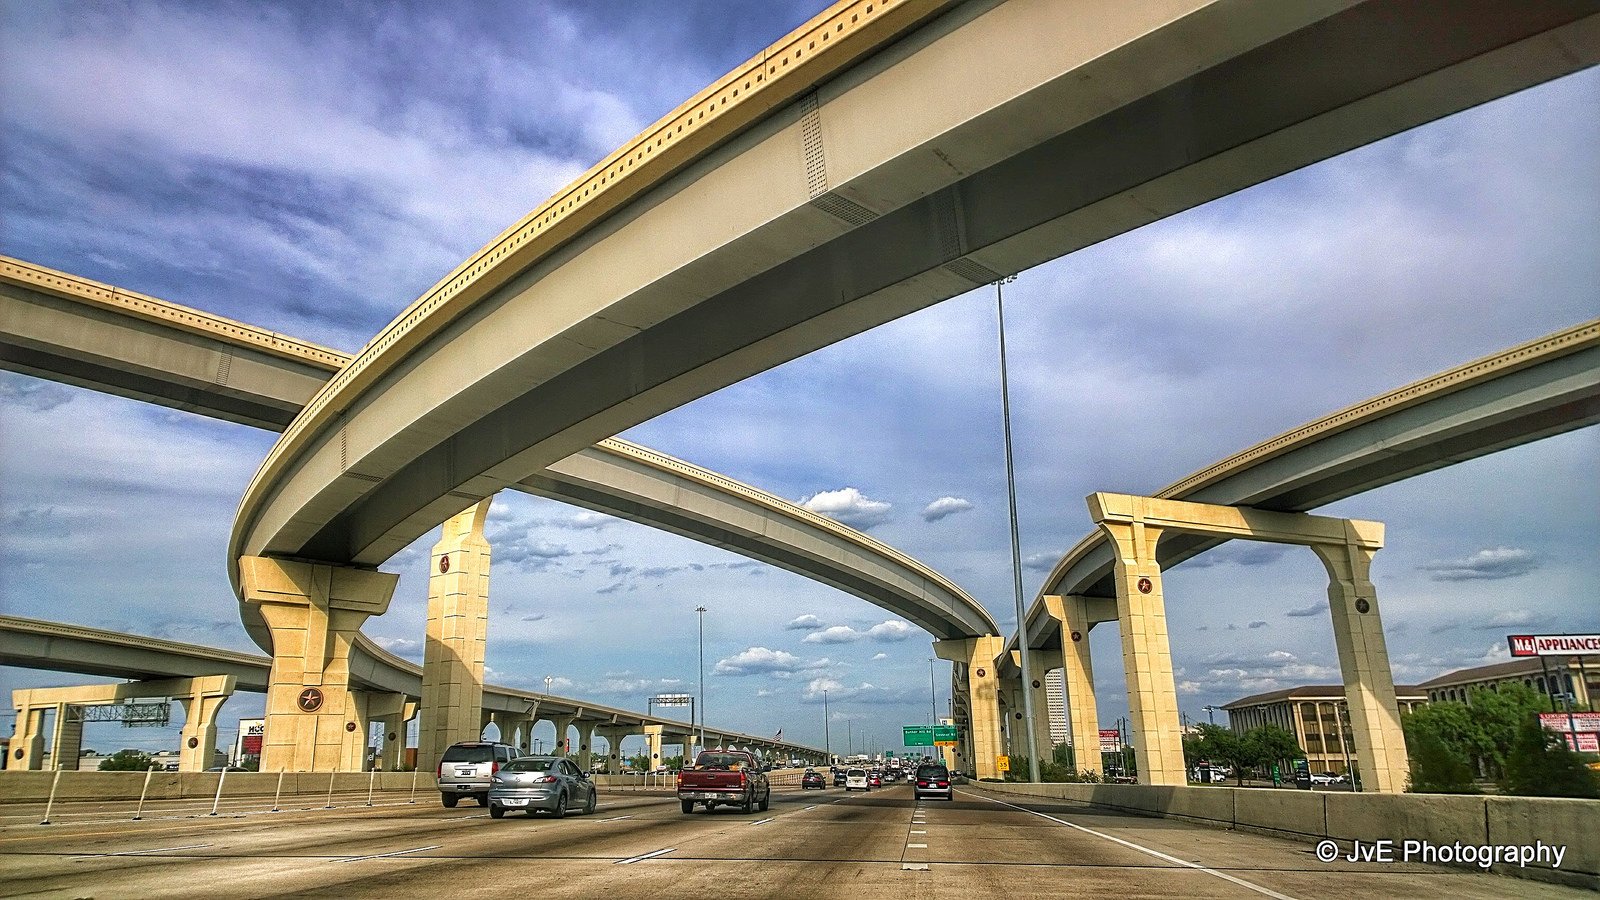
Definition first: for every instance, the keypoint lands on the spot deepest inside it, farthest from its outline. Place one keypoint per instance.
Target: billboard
(1581, 729)
(1553, 644)
(251, 731)
(1110, 740)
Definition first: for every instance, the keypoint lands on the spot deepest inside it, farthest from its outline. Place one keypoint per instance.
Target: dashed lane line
(350, 859)
(762, 821)
(643, 856)
(143, 852)
(1142, 849)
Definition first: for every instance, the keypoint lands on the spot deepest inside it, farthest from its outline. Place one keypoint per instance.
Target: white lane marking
(913, 867)
(916, 846)
(919, 832)
(634, 859)
(349, 859)
(808, 809)
(763, 821)
(1132, 846)
(142, 852)
(614, 819)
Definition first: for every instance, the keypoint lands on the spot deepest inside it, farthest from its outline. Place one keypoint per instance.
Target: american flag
(780, 735)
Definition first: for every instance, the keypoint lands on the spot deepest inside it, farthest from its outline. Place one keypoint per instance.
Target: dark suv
(467, 767)
(933, 780)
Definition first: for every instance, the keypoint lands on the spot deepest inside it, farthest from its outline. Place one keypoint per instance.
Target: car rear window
(936, 772)
(721, 761)
(530, 765)
(856, 773)
(483, 753)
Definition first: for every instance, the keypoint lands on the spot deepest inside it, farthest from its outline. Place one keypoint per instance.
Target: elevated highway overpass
(881, 158)
(58, 647)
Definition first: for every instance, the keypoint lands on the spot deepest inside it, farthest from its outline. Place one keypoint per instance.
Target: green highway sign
(927, 735)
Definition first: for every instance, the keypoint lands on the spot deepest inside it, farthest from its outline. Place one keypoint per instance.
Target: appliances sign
(1553, 644)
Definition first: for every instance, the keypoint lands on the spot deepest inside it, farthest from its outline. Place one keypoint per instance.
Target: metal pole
(330, 788)
(138, 813)
(279, 794)
(413, 784)
(826, 740)
(54, 782)
(1544, 668)
(372, 776)
(217, 801)
(701, 612)
(1344, 745)
(1016, 544)
(933, 696)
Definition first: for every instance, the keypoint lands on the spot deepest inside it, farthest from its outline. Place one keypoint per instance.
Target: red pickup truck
(726, 777)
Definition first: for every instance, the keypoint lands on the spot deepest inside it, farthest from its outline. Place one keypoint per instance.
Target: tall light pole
(1211, 713)
(1016, 545)
(933, 696)
(826, 740)
(701, 612)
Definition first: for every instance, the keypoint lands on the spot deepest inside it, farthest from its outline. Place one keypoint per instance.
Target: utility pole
(701, 612)
(827, 741)
(933, 696)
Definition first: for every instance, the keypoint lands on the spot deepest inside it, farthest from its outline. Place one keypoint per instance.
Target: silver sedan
(540, 782)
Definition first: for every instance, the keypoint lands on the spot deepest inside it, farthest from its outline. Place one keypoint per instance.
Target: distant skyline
(313, 170)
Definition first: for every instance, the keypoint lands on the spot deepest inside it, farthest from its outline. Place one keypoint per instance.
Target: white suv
(856, 778)
(467, 767)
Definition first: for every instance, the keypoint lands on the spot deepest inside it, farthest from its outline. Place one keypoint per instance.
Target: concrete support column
(1147, 653)
(458, 627)
(652, 736)
(1043, 661)
(27, 737)
(1083, 713)
(613, 737)
(391, 712)
(978, 655)
(199, 737)
(315, 612)
(1364, 662)
(585, 744)
(66, 742)
(688, 749)
(563, 740)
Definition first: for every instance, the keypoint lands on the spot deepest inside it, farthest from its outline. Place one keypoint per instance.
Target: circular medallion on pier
(349, 726)
(310, 700)
(444, 564)
(1077, 636)
(980, 673)
(1362, 606)
(1145, 586)
(193, 743)
(1036, 682)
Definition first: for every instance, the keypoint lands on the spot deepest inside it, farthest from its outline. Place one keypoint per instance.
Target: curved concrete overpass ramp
(106, 338)
(1534, 390)
(58, 647)
(882, 158)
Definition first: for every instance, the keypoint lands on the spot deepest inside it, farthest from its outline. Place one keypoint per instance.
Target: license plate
(704, 796)
(521, 801)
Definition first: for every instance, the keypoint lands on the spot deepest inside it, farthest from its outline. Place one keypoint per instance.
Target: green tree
(125, 761)
(1542, 765)
(1482, 731)
(1435, 767)
(1221, 744)
(1272, 744)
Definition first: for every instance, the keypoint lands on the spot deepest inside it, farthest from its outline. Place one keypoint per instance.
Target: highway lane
(810, 844)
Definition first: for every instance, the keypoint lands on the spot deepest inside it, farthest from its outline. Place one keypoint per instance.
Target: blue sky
(313, 168)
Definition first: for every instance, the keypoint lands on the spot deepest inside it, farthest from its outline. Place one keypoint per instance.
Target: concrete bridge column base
(1364, 662)
(1043, 662)
(983, 696)
(458, 628)
(563, 738)
(613, 737)
(66, 745)
(1147, 654)
(585, 745)
(197, 750)
(27, 737)
(391, 712)
(1077, 669)
(652, 736)
(315, 612)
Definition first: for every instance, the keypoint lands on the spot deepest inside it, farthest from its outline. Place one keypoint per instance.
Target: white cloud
(762, 661)
(945, 506)
(803, 623)
(878, 656)
(865, 692)
(850, 507)
(1485, 565)
(838, 634)
(891, 631)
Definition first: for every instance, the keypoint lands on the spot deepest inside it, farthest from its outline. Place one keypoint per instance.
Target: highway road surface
(815, 844)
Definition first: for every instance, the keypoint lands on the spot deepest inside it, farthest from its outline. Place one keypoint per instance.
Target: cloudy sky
(313, 170)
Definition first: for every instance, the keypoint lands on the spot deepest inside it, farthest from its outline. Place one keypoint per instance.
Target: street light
(826, 740)
(701, 612)
(933, 696)
(1016, 545)
(1210, 710)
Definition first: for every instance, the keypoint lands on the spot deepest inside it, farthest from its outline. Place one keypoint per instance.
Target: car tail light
(744, 779)
(922, 784)
(680, 781)
(494, 767)
(944, 784)
(544, 779)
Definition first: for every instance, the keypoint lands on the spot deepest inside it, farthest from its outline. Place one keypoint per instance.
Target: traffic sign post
(1002, 763)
